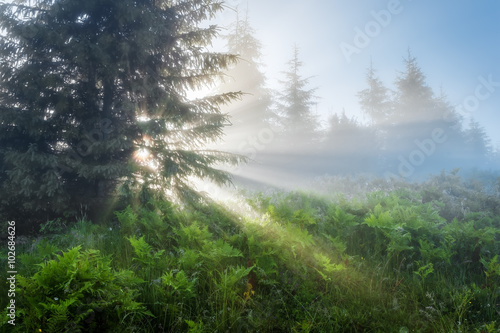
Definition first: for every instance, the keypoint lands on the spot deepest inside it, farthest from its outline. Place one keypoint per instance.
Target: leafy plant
(423, 271)
(492, 271)
(178, 286)
(78, 291)
(144, 252)
(53, 226)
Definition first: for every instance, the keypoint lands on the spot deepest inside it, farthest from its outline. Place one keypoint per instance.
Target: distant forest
(412, 131)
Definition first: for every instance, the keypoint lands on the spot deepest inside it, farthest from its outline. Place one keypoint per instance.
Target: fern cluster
(78, 292)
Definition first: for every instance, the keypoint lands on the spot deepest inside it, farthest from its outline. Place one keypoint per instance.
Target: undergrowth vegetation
(402, 258)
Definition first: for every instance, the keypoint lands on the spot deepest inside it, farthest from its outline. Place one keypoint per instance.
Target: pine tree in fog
(93, 96)
(295, 106)
(375, 100)
(417, 114)
(376, 103)
(413, 95)
(251, 113)
(451, 152)
(413, 108)
(477, 144)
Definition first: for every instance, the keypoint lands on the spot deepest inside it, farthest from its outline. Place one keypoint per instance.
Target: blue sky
(455, 43)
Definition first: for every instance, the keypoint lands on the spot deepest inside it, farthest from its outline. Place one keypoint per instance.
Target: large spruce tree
(93, 98)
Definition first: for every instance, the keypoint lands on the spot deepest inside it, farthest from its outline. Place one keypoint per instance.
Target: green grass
(394, 260)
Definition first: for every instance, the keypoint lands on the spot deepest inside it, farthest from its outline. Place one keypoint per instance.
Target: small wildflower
(249, 292)
(56, 299)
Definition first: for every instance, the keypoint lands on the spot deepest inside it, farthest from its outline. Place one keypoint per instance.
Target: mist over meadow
(286, 166)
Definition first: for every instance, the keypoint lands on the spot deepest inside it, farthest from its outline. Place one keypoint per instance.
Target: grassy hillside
(400, 258)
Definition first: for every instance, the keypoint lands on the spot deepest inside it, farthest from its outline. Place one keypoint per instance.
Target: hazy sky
(455, 43)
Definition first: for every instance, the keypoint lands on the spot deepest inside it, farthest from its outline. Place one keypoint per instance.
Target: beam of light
(292, 242)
